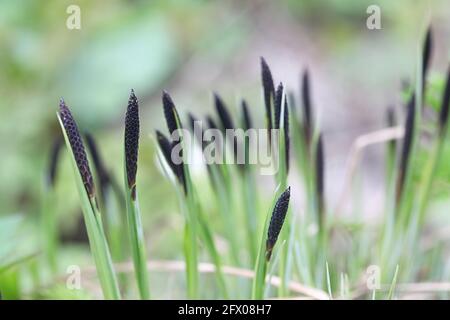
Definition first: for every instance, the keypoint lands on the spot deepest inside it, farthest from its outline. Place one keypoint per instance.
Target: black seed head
(53, 163)
(426, 54)
(443, 115)
(166, 148)
(406, 147)
(307, 109)
(247, 120)
(132, 140)
(222, 112)
(170, 113)
(276, 221)
(269, 94)
(320, 178)
(102, 173)
(211, 123)
(77, 146)
(192, 120)
(192, 123)
(278, 101)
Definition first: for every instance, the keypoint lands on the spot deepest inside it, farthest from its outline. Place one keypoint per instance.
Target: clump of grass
(196, 223)
(135, 229)
(92, 216)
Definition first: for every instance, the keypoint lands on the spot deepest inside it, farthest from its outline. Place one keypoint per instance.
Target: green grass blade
(137, 243)
(393, 284)
(94, 227)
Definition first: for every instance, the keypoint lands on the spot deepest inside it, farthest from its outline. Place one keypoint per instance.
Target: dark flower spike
(53, 163)
(269, 94)
(170, 113)
(406, 147)
(426, 54)
(246, 116)
(222, 112)
(77, 146)
(192, 120)
(320, 177)
(132, 141)
(443, 115)
(278, 101)
(286, 134)
(166, 148)
(102, 173)
(211, 123)
(307, 109)
(198, 135)
(276, 221)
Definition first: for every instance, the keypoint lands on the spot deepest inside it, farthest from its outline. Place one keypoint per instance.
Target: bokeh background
(192, 48)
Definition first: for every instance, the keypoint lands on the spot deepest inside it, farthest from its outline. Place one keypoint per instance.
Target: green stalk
(285, 261)
(137, 242)
(117, 237)
(261, 262)
(96, 235)
(196, 216)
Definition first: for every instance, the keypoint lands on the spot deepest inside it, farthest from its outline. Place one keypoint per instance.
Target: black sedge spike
(320, 180)
(132, 141)
(179, 168)
(269, 92)
(307, 109)
(286, 134)
(55, 152)
(406, 147)
(426, 54)
(102, 173)
(277, 221)
(166, 148)
(170, 113)
(77, 146)
(211, 123)
(278, 101)
(443, 115)
(223, 113)
(193, 121)
(247, 120)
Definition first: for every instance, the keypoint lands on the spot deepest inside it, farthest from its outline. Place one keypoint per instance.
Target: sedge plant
(135, 229)
(86, 191)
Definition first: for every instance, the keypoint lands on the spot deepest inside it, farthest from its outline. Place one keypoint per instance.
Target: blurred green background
(190, 48)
